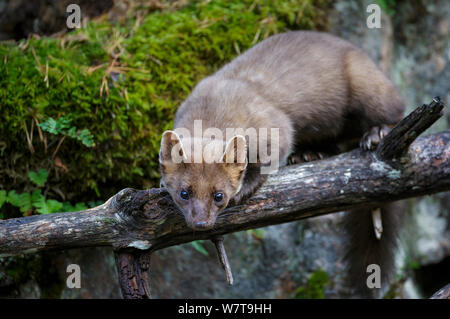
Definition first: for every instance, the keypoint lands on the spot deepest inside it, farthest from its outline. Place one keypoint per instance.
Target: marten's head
(202, 175)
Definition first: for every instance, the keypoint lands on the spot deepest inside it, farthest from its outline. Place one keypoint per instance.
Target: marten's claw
(303, 157)
(372, 138)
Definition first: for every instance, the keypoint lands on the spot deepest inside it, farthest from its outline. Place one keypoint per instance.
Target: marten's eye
(218, 197)
(184, 195)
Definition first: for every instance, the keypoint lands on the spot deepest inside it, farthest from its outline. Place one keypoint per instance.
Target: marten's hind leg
(374, 101)
(373, 137)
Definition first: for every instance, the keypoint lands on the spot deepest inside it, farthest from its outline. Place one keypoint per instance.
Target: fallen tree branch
(148, 219)
(138, 222)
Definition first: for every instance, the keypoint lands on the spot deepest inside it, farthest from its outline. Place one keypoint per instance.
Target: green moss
(388, 6)
(315, 287)
(123, 82)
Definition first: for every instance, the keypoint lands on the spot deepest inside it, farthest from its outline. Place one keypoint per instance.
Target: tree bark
(133, 272)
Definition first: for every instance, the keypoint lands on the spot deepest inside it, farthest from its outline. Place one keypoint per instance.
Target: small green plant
(62, 126)
(44, 206)
(198, 245)
(315, 287)
(68, 207)
(22, 201)
(39, 178)
(257, 234)
(35, 201)
(387, 6)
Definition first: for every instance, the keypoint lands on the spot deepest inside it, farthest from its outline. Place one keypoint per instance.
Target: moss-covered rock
(315, 287)
(121, 81)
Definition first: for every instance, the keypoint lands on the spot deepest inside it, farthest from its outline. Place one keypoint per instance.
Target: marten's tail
(364, 249)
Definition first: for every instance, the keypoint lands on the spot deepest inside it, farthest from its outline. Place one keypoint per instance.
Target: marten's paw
(372, 138)
(306, 156)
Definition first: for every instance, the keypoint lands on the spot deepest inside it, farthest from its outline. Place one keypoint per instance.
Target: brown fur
(322, 93)
(319, 90)
(201, 180)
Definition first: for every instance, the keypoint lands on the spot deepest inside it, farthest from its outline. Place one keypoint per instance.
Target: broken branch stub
(396, 143)
(133, 269)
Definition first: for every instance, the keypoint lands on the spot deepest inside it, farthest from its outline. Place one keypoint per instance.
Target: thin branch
(61, 140)
(218, 242)
(29, 137)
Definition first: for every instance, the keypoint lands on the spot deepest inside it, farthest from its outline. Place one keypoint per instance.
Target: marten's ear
(171, 148)
(236, 152)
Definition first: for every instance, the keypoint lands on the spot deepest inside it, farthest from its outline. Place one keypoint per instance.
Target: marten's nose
(200, 224)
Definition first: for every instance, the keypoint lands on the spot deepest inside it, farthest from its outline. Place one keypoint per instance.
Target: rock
(19, 18)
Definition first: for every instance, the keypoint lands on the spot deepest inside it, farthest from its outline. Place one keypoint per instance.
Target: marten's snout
(201, 216)
(201, 225)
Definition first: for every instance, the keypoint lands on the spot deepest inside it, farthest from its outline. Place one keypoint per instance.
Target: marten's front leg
(253, 179)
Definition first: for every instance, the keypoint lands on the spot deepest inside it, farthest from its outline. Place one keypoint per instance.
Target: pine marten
(306, 95)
